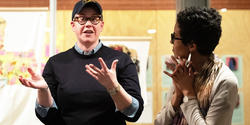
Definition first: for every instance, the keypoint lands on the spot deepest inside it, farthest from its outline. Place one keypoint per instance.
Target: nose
(88, 23)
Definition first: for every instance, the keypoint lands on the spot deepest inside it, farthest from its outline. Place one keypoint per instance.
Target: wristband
(187, 98)
(114, 90)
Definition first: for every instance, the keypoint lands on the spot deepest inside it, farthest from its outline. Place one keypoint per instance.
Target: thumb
(114, 63)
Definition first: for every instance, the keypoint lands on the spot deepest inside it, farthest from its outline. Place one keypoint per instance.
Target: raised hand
(171, 63)
(105, 76)
(182, 76)
(36, 81)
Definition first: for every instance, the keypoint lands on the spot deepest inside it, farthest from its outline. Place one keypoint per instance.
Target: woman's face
(87, 33)
(179, 49)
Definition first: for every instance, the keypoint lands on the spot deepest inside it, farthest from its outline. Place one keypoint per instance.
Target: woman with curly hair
(204, 89)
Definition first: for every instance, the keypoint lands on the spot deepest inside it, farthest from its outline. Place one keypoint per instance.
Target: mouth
(88, 32)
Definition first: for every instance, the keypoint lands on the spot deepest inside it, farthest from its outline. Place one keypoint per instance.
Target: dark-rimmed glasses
(95, 19)
(174, 38)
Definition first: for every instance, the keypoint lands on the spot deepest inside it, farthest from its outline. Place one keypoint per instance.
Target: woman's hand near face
(171, 63)
(176, 100)
(183, 77)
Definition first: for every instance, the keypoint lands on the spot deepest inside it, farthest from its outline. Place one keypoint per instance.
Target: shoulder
(62, 56)
(115, 54)
(227, 76)
(111, 51)
(225, 80)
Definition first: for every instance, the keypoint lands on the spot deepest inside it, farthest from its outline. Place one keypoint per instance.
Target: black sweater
(81, 100)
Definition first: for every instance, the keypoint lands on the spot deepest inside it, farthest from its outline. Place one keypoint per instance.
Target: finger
(168, 60)
(174, 59)
(31, 84)
(167, 73)
(103, 64)
(21, 79)
(190, 72)
(88, 71)
(170, 66)
(113, 66)
(185, 68)
(179, 68)
(26, 83)
(183, 61)
(32, 73)
(178, 59)
(189, 64)
(91, 69)
(95, 69)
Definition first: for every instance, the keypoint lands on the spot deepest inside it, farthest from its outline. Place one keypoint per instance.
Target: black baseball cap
(86, 3)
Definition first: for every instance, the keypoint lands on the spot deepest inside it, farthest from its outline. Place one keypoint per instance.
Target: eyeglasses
(174, 38)
(83, 19)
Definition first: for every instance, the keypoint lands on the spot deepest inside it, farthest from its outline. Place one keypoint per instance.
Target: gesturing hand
(105, 76)
(171, 63)
(36, 81)
(183, 76)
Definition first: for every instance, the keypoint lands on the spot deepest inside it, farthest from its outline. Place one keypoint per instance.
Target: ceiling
(125, 4)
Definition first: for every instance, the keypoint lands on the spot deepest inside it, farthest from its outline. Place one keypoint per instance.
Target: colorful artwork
(131, 52)
(234, 62)
(21, 43)
(14, 64)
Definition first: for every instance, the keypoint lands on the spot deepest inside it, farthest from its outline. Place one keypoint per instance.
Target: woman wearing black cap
(89, 84)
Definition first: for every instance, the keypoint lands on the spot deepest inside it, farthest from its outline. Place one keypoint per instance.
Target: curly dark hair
(201, 26)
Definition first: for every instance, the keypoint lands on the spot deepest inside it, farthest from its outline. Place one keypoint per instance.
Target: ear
(192, 47)
(72, 26)
(102, 24)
